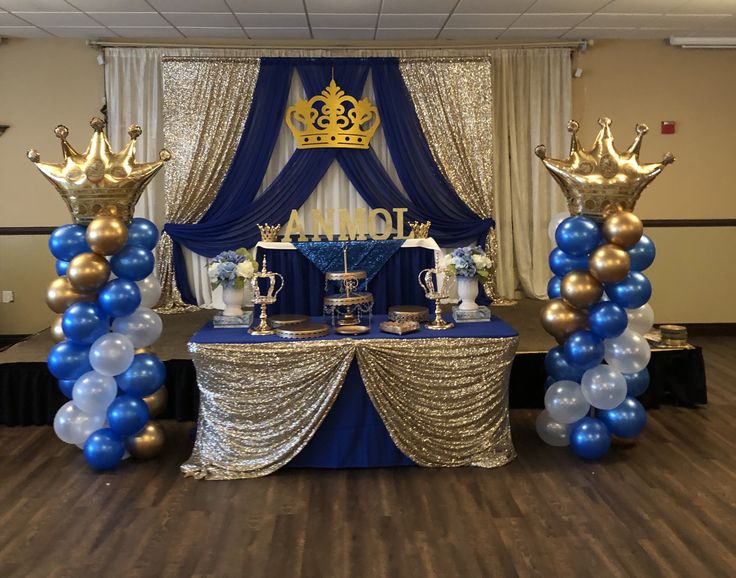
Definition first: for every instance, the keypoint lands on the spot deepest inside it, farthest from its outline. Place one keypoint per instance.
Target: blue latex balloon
(553, 287)
(632, 292)
(558, 368)
(142, 233)
(127, 415)
(120, 297)
(104, 449)
(66, 386)
(606, 319)
(144, 376)
(132, 262)
(590, 438)
(68, 241)
(561, 263)
(69, 360)
(637, 383)
(61, 267)
(584, 350)
(548, 383)
(626, 420)
(577, 235)
(642, 254)
(84, 322)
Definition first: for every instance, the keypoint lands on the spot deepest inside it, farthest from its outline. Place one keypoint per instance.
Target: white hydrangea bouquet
(468, 262)
(231, 269)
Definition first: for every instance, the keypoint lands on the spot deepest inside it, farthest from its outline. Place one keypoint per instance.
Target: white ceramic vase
(233, 299)
(467, 291)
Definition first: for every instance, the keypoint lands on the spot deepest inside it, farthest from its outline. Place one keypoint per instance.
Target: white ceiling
(368, 19)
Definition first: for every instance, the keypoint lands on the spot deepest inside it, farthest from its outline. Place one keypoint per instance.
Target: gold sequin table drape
(443, 400)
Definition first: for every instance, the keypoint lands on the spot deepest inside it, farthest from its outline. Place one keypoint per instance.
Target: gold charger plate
(303, 330)
(287, 319)
(352, 329)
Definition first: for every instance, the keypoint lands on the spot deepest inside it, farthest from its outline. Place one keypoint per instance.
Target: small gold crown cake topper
(341, 121)
(602, 180)
(419, 230)
(269, 232)
(99, 181)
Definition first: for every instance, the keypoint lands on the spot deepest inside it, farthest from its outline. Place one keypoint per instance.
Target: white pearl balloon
(629, 352)
(93, 392)
(552, 432)
(565, 402)
(111, 354)
(143, 327)
(554, 222)
(641, 320)
(73, 426)
(150, 290)
(603, 387)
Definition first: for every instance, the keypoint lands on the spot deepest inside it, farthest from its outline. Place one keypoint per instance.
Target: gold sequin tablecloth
(443, 399)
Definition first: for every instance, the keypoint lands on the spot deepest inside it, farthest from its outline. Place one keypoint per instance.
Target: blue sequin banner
(368, 256)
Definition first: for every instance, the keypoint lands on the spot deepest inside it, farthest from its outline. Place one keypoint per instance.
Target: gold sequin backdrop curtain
(453, 98)
(206, 101)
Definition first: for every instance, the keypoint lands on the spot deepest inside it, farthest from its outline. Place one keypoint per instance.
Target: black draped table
(428, 398)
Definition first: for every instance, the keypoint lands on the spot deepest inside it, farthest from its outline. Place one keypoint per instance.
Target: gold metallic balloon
(148, 443)
(57, 334)
(623, 228)
(107, 235)
(560, 319)
(61, 295)
(157, 401)
(88, 272)
(142, 350)
(580, 289)
(609, 263)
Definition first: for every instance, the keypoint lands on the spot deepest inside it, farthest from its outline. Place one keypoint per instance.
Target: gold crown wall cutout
(269, 233)
(419, 230)
(341, 122)
(601, 180)
(99, 181)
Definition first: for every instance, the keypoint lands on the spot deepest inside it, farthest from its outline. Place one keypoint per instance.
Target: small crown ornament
(269, 233)
(602, 180)
(341, 122)
(419, 230)
(99, 181)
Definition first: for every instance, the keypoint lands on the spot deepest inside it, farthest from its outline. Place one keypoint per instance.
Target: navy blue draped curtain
(232, 220)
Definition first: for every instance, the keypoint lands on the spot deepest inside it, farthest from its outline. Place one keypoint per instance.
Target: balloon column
(598, 310)
(103, 297)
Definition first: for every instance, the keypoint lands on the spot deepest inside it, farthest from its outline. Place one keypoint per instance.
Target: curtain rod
(579, 44)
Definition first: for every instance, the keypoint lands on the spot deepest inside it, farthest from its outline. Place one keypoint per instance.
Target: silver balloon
(641, 320)
(603, 387)
(629, 352)
(565, 402)
(111, 354)
(73, 426)
(93, 392)
(143, 327)
(554, 222)
(552, 432)
(150, 290)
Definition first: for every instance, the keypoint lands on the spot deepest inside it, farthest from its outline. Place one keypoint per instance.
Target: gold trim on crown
(419, 230)
(341, 121)
(269, 233)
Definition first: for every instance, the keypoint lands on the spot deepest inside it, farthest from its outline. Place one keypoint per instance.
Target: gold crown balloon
(602, 180)
(99, 181)
(341, 122)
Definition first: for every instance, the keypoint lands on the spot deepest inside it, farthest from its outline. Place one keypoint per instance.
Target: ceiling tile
(273, 20)
(411, 20)
(343, 33)
(37, 6)
(221, 19)
(727, 23)
(189, 5)
(79, 31)
(10, 20)
(128, 18)
(566, 6)
(622, 20)
(642, 33)
(534, 33)
(45, 19)
(706, 7)
(23, 32)
(481, 20)
(549, 20)
(493, 6)
(475, 33)
(278, 33)
(407, 33)
(343, 20)
(266, 6)
(692, 20)
(418, 6)
(344, 6)
(641, 6)
(212, 32)
(112, 5)
(146, 31)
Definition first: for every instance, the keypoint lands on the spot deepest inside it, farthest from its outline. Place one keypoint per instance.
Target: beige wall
(47, 82)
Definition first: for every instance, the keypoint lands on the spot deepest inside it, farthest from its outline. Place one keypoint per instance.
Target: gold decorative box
(399, 327)
(408, 313)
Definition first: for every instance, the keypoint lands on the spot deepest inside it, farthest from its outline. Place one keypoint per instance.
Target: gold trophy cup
(429, 281)
(275, 284)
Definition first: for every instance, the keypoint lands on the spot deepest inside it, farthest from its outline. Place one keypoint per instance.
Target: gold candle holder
(434, 292)
(275, 284)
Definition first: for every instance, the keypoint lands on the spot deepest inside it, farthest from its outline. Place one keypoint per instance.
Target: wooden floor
(666, 507)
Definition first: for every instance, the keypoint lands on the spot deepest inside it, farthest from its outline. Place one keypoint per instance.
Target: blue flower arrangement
(231, 269)
(468, 262)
